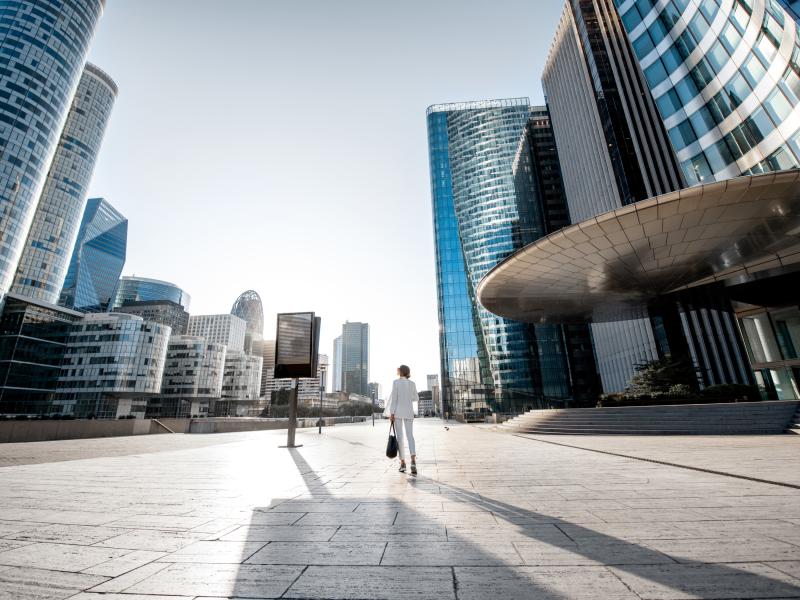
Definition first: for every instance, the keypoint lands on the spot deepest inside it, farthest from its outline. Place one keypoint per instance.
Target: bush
(731, 392)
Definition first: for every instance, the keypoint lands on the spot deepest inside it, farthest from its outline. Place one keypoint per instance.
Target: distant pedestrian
(400, 409)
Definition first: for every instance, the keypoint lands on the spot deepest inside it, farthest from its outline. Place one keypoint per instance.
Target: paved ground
(490, 516)
(769, 457)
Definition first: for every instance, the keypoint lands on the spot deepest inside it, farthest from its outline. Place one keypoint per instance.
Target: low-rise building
(193, 372)
(113, 363)
(165, 312)
(225, 329)
(241, 384)
(33, 341)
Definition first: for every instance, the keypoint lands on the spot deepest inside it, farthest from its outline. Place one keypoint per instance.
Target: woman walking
(401, 412)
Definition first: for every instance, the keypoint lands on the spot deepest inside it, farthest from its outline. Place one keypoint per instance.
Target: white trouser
(399, 424)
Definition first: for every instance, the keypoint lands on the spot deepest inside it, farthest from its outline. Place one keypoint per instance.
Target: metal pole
(373, 407)
(292, 415)
(321, 396)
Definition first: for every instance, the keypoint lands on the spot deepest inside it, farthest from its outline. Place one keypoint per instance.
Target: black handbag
(391, 445)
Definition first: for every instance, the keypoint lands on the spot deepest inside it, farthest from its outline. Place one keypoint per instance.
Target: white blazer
(401, 400)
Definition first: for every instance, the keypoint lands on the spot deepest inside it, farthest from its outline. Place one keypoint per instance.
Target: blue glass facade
(97, 258)
(792, 7)
(725, 75)
(43, 47)
(487, 362)
(139, 289)
(51, 240)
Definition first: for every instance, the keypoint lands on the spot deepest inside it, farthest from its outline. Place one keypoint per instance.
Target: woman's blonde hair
(404, 371)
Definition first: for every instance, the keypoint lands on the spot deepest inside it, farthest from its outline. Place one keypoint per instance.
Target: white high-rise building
(433, 386)
(308, 391)
(337, 364)
(225, 329)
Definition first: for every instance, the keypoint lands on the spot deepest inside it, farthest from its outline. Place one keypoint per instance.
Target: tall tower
(355, 358)
(44, 45)
(613, 147)
(44, 262)
(337, 364)
(97, 258)
(477, 223)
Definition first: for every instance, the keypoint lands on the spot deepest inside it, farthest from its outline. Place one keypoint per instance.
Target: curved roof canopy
(607, 267)
(248, 307)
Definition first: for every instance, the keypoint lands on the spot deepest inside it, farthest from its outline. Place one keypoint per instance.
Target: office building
(792, 7)
(97, 258)
(241, 385)
(480, 218)
(337, 364)
(616, 149)
(724, 81)
(564, 369)
(268, 366)
(192, 380)
(425, 406)
(375, 390)
(113, 364)
(44, 48)
(433, 386)
(33, 341)
(163, 312)
(613, 150)
(249, 308)
(45, 257)
(143, 288)
(355, 358)
(226, 329)
(308, 390)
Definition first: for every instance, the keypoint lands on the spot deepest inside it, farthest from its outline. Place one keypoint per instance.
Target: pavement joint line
(661, 462)
(296, 579)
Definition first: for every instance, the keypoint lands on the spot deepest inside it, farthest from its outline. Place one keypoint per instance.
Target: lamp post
(374, 393)
(322, 369)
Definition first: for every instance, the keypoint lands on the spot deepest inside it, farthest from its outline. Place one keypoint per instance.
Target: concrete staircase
(688, 419)
(794, 426)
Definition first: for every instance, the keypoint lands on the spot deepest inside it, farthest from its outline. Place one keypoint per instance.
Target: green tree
(662, 377)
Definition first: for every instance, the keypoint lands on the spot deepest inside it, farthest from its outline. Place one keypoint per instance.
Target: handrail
(160, 424)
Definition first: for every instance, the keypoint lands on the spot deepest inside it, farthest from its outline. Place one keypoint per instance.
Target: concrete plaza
(491, 515)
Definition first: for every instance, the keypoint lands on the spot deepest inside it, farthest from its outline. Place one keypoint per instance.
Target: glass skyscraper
(143, 288)
(97, 258)
(45, 257)
(565, 373)
(485, 359)
(44, 46)
(617, 148)
(355, 358)
(726, 79)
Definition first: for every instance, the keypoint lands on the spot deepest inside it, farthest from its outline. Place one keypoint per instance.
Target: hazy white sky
(281, 146)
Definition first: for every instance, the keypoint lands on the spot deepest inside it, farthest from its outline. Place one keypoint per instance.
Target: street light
(374, 393)
(322, 369)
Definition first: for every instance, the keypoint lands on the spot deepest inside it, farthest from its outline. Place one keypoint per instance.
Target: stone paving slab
(489, 516)
(758, 456)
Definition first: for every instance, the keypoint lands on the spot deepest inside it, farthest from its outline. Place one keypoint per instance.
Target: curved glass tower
(248, 307)
(44, 45)
(477, 222)
(725, 75)
(139, 289)
(44, 262)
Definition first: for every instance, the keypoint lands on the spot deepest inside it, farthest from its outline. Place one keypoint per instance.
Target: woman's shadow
(553, 557)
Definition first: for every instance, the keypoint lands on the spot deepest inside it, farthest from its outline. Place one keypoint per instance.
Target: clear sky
(281, 146)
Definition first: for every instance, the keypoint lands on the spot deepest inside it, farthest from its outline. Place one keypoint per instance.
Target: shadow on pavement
(383, 547)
